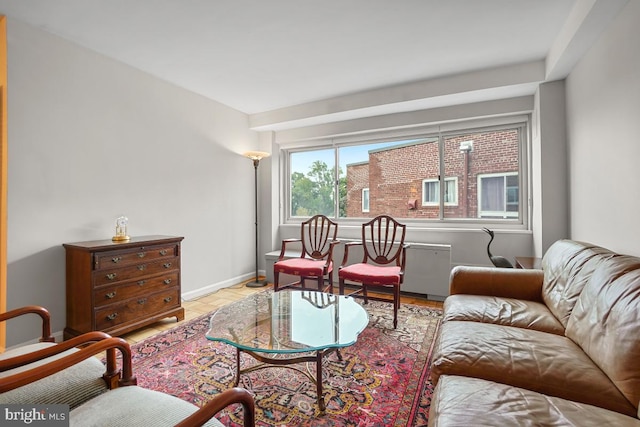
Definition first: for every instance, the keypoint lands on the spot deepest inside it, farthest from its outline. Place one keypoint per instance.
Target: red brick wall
(357, 179)
(394, 175)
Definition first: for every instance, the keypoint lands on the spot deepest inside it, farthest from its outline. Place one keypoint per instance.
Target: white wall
(550, 218)
(603, 111)
(91, 139)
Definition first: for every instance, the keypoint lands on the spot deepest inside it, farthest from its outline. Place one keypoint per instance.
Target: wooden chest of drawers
(119, 287)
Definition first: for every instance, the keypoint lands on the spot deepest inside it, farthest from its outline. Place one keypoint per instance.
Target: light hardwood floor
(211, 302)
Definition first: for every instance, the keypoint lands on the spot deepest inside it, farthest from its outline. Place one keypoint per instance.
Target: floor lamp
(256, 156)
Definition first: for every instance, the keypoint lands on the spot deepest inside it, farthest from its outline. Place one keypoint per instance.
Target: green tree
(314, 193)
(342, 192)
(301, 189)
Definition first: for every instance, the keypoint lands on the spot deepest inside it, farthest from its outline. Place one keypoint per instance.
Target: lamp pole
(256, 156)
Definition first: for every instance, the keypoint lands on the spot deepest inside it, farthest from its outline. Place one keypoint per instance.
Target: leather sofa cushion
(568, 266)
(501, 311)
(606, 323)
(538, 361)
(463, 401)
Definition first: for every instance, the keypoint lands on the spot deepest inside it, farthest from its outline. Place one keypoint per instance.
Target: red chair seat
(302, 267)
(317, 239)
(371, 274)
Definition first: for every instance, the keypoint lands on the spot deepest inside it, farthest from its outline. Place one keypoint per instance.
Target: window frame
(449, 179)
(522, 122)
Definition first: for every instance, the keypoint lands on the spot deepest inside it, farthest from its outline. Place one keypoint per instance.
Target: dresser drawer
(114, 259)
(103, 277)
(136, 308)
(112, 294)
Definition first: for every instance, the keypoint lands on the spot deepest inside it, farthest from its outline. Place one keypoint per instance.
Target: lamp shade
(256, 155)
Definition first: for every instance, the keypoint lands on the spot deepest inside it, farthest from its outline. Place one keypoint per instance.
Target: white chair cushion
(72, 386)
(133, 406)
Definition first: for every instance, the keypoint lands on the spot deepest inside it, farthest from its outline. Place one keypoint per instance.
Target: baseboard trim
(209, 289)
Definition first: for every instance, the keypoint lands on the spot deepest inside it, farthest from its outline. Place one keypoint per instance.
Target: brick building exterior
(395, 177)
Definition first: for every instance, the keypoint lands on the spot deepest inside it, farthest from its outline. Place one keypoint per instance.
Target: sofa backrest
(568, 266)
(605, 322)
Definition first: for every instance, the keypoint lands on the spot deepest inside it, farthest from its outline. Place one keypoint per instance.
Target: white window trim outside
(502, 214)
(365, 209)
(437, 203)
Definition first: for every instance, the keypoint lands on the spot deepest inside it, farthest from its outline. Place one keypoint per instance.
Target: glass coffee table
(288, 327)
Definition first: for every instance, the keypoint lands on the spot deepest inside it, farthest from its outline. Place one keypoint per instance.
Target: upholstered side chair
(317, 240)
(382, 264)
(72, 386)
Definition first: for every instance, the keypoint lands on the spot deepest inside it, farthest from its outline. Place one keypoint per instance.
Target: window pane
(492, 190)
(499, 195)
(451, 191)
(513, 193)
(312, 184)
(365, 200)
(430, 192)
(486, 166)
(479, 172)
(393, 172)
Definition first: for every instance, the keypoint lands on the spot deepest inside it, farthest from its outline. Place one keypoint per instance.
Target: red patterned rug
(382, 380)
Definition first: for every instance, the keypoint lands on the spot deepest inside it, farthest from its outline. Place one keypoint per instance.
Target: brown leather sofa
(557, 346)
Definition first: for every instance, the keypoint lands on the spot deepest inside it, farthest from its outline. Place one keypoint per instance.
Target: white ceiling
(263, 57)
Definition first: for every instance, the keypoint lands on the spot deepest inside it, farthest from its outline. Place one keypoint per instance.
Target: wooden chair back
(383, 240)
(316, 235)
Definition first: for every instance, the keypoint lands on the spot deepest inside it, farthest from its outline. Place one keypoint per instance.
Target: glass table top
(289, 321)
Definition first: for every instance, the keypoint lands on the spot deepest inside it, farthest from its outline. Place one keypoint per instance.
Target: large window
(463, 174)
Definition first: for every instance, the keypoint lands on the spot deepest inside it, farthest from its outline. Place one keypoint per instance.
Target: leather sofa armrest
(498, 282)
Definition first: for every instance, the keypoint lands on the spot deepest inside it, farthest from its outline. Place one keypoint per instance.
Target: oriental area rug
(382, 380)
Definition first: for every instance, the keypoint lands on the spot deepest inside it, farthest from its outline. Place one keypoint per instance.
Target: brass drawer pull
(116, 259)
(141, 254)
(112, 316)
(141, 282)
(167, 265)
(167, 281)
(163, 252)
(142, 301)
(141, 267)
(111, 276)
(110, 295)
(168, 299)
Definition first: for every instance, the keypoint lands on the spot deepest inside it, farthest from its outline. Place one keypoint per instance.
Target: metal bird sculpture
(498, 261)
